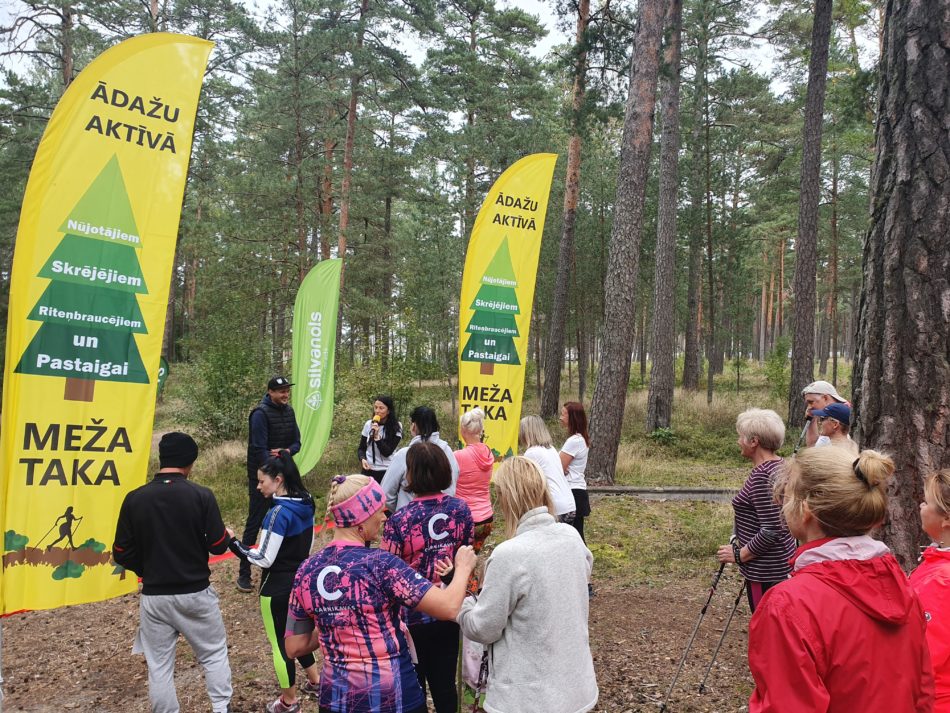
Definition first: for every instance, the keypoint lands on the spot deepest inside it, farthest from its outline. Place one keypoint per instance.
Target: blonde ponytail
(846, 495)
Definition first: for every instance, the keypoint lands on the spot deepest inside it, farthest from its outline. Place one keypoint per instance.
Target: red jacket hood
(876, 586)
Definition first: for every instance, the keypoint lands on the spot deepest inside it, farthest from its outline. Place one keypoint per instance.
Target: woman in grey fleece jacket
(532, 612)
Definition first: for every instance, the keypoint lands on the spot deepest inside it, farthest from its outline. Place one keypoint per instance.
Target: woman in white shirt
(574, 460)
(536, 439)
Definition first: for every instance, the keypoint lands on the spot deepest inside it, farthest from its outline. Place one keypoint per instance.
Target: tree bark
(623, 263)
(350, 138)
(660, 397)
(902, 366)
(554, 359)
(691, 356)
(806, 246)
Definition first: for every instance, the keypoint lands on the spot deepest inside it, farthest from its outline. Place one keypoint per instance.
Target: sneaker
(244, 584)
(279, 706)
(312, 688)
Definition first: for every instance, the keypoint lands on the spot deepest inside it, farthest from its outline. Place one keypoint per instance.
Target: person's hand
(443, 567)
(275, 452)
(465, 559)
(365, 464)
(230, 533)
(374, 430)
(725, 554)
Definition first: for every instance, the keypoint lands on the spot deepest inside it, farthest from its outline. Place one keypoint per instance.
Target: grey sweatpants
(198, 618)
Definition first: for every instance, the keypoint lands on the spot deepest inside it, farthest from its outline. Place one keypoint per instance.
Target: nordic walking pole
(802, 437)
(725, 629)
(702, 613)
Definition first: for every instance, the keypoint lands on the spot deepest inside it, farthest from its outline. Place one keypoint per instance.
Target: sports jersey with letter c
(428, 529)
(353, 595)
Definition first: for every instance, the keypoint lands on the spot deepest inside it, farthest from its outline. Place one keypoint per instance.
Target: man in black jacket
(272, 428)
(165, 531)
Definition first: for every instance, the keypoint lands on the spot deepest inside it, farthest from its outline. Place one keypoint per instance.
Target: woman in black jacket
(379, 438)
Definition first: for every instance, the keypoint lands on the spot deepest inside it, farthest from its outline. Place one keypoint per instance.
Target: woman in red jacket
(931, 581)
(846, 633)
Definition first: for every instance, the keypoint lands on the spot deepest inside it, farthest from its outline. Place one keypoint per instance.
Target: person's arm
(782, 660)
(392, 480)
(484, 620)
(124, 552)
(811, 429)
(387, 445)
(266, 552)
(294, 447)
(257, 437)
(297, 645)
(454, 466)
(566, 459)
(445, 603)
(361, 450)
(300, 635)
(391, 540)
(216, 535)
(772, 528)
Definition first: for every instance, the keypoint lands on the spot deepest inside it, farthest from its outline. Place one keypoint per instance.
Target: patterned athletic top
(428, 529)
(760, 527)
(353, 595)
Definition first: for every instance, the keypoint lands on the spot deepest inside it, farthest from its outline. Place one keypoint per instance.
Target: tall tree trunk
(691, 356)
(623, 266)
(902, 378)
(555, 346)
(711, 356)
(660, 397)
(835, 161)
(806, 246)
(350, 137)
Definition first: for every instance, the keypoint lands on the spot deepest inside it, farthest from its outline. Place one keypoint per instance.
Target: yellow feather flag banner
(88, 294)
(501, 267)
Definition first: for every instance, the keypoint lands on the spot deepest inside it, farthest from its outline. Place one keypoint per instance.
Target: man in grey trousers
(165, 531)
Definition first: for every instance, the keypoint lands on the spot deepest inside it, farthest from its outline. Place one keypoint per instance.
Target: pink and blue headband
(359, 507)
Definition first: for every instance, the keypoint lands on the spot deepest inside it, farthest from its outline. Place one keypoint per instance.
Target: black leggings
(437, 647)
(274, 613)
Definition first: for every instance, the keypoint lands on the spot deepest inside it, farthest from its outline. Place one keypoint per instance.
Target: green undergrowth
(638, 542)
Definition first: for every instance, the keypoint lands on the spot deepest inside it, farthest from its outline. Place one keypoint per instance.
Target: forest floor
(648, 598)
(637, 637)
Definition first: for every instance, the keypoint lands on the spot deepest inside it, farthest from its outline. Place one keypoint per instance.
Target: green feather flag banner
(315, 315)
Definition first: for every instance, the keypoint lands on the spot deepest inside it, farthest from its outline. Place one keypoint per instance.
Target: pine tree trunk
(806, 246)
(660, 397)
(623, 264)
(555, 343)
(902, 379)
(691, 349)
(350, 140)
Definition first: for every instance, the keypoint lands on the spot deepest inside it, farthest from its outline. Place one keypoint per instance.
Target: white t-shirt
(576, 446)
(550, 464)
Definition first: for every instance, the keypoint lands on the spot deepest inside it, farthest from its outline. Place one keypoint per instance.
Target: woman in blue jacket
(285, 540)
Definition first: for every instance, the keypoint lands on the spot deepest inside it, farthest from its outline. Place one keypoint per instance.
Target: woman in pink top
(475, 468)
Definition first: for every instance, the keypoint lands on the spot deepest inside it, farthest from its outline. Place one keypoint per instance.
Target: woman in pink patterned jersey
(430, 529)
(347, 600)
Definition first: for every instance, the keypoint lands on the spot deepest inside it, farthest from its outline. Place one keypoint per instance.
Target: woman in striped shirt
(762, 544)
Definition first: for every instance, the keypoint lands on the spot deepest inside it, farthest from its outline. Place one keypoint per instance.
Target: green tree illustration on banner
(89, 311)
(493, 327)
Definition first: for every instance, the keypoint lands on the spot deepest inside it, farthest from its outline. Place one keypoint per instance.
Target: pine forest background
(373, 129)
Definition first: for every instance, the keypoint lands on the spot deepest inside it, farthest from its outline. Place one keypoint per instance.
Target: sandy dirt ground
(80, 659)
